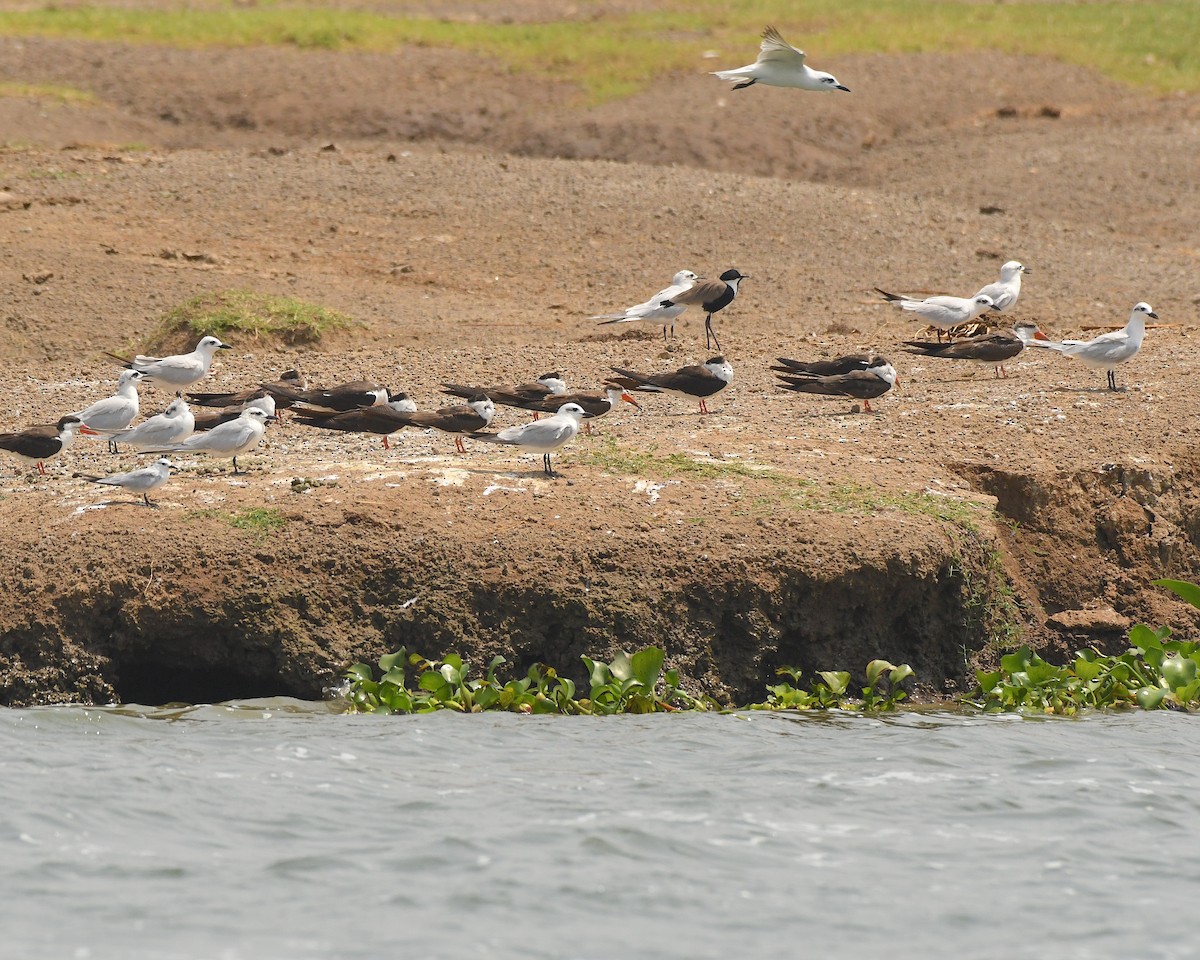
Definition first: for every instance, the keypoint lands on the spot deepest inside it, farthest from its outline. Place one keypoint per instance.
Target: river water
(276, 829)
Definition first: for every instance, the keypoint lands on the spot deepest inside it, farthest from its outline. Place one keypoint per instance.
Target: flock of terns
(231, 424)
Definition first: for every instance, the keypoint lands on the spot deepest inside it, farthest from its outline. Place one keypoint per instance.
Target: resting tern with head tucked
(659, 308)
(180, 370)
(173, 425)
(230, 439)
(139, 481)
(541, 436)
(1109, 350)
(779, 64)
(943, 312)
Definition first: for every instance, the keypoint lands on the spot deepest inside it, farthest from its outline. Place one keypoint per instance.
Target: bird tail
(1047, 344)
(804, 384)
(612, 318)
(740, 73)
(889, 297)
(627, 379)
(460, 390)
(124, 361)
(490, 438)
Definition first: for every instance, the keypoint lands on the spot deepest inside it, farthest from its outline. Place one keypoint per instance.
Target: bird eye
(827, 79)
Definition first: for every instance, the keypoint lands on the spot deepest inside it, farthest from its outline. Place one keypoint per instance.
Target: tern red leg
(867, 406)
(41, 468)
(458, 445)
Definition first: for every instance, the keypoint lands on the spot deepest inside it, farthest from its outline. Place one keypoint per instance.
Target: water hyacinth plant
(1156, 672)
(631, 683)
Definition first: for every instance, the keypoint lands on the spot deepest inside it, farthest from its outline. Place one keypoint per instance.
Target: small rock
(1103, 619)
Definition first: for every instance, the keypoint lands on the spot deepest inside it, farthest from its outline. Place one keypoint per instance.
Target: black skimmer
(826, 368)
(595, 403)
(39, 444)
(698, 382)
(658, 309)
(711, 296)
(545, 387)
(943, 312)
(1005, 291)
(1109, 350)
(173, 425)
(214, 418)
(864, 385)
(339, 399)
(459, 419)
(181, 370)
(116, 412)
(230, 439)
(779, 64)
(139, 481)
(541, 436)
(289, 380)
(995, 348)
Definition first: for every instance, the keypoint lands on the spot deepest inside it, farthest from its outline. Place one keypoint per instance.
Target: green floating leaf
(647, 666)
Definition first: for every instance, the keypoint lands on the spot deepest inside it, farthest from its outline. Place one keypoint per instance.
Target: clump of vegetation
(631, 683)
(259, 520)
(1156, 672)
(829, 690)
(238, 316)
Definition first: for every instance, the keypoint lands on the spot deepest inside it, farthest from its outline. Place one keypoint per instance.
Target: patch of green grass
(259, 520)
(46, 93)
(238, 316)
(1152, 44)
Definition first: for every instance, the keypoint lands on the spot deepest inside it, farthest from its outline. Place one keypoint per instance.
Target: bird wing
(988, 347)
(153, 432)
(698, 293)
(108, 407)
(183, 363)
(226, 399)
(825, 368)
(940, 311)
(1001, 293)
(231, 435)
(548, 434)
(775, 49)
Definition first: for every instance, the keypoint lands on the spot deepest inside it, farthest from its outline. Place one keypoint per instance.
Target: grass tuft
(237, 316)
